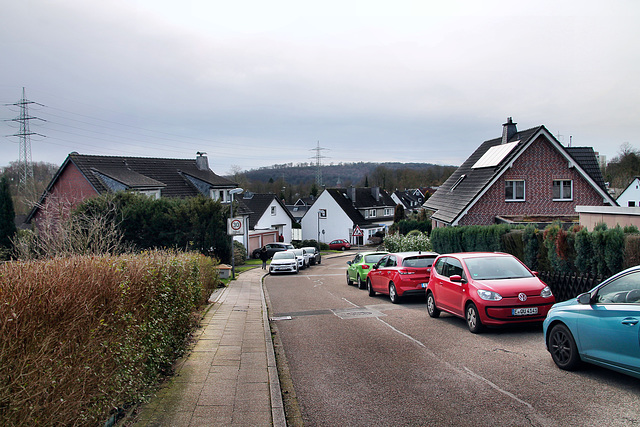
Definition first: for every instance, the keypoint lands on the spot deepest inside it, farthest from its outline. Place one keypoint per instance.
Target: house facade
(337, 211)
(412, 200)
(524, 176)
(269, 220)
(83, 176)
(630, 197)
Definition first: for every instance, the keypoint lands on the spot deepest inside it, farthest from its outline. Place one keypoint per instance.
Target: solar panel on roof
(494, 155)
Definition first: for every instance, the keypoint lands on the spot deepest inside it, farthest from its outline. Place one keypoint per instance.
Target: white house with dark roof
(522, 177)
(269, 219)
(337, 211)
(630, 197)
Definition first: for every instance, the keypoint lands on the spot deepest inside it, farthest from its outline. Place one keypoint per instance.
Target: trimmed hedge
(84, 335)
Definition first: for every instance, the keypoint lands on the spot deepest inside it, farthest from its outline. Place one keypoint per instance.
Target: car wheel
(349, 281)
(361, 283)
(393, 293)
(562, 346)
(473, 318)
(431, 306)
(372, 293)
(342, 248)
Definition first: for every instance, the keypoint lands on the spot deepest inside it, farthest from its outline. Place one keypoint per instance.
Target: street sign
(235, 227)
(357, 232)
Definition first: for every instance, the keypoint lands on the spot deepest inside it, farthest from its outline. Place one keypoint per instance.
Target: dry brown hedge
(84, 335)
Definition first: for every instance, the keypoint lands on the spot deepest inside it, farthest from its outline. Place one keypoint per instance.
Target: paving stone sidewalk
(230, 377)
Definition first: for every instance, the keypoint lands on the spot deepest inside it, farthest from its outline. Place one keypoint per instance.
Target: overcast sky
(255, 83)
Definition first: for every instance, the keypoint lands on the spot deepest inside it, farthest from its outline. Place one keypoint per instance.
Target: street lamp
(233, 261)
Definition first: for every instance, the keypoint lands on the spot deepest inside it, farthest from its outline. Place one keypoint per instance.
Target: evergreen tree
(7, 214)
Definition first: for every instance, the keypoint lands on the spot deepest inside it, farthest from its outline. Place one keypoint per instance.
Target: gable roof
(176, 177)
(364, 199)
(469, 182)
(258, 203)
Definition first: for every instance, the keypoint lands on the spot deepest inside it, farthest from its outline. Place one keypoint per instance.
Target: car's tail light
(365, 267)
(406, 272)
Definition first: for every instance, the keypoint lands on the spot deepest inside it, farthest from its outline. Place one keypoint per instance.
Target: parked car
(284, 262)
(401, 273)
(272, 248)
(314, 255)
(600, 326)
(303, 259)
(487, 288)
(339, 245)
(360, 266)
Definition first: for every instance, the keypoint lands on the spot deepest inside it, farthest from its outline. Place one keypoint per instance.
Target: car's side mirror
(584, 298)
(348, 262)
(456, 278)
(535, 273)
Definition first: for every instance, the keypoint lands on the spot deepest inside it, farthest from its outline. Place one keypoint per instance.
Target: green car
(360, 266)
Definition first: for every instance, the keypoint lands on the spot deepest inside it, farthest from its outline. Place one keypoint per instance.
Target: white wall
(268, 221)
(336, 225)
(631, 193)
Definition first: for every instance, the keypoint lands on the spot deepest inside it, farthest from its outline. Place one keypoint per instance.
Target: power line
(318, 158)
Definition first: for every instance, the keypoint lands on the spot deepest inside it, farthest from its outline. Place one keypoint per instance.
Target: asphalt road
(355, 360)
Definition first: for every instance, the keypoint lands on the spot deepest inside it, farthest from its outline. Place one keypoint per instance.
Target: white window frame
(372, 213)
(513, 183)
(273, 211)
(388, 212)
(562, 187)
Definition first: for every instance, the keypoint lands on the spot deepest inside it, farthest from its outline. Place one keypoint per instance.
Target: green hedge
(84, 335)
(602, 251)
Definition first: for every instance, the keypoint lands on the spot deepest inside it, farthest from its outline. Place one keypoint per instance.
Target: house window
(372, 213)
(562, 190)
(453, 187)
(632, 204)
(514, 190)
(273, 211)
(388, 212)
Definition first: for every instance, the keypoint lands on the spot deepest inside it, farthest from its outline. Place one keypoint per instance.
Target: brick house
(523, 177)
(84, 176)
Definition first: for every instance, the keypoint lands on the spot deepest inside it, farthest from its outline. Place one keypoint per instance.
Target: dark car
(314, 254)
(272, 248)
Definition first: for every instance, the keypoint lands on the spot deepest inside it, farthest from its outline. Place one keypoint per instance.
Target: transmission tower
(319, 158)
(25, 166)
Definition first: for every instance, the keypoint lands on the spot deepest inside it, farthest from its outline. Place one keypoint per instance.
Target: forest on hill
(292, 181)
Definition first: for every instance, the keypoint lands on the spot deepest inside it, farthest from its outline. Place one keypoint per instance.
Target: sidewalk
(230, 377)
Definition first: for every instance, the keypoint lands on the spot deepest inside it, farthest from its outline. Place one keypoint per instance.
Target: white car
(303, 259)
(314, 255)
(284, 262)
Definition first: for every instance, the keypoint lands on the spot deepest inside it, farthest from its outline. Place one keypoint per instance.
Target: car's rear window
(372, 259)
(418, 262)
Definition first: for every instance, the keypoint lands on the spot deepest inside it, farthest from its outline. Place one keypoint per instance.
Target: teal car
(360, 266)
(601, 326)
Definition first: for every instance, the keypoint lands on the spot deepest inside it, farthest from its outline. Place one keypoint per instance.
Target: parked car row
(601, 326)
(293, 260)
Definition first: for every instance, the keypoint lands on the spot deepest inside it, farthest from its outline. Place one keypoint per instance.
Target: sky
(255, 83)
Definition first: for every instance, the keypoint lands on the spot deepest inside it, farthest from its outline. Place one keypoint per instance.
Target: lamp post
(233, 261)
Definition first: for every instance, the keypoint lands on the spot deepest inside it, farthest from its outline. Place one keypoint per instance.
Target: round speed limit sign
(236, 224)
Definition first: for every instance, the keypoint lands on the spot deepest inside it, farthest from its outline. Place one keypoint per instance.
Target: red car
(339, 245)
(487, 288)
(401, 273)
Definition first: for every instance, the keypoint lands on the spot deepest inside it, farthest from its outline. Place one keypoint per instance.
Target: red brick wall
(68, 191)
(539, 166)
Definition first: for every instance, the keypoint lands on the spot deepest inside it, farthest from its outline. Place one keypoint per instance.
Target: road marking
(503, 391)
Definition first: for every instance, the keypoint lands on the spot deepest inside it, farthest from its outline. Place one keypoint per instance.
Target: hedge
(84, 335)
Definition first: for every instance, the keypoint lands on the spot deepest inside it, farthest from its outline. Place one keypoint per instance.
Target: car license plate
(424, 285)
(524, 311)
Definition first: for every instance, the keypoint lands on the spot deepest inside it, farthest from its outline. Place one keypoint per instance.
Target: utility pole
(25, 164)
(319, 158)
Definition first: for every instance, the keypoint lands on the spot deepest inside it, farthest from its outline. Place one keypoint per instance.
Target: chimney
(508, 130)
(375, 192)
(352, 194)
(202, 163)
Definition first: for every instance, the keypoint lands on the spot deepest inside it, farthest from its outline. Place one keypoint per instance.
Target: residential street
(358, 360)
